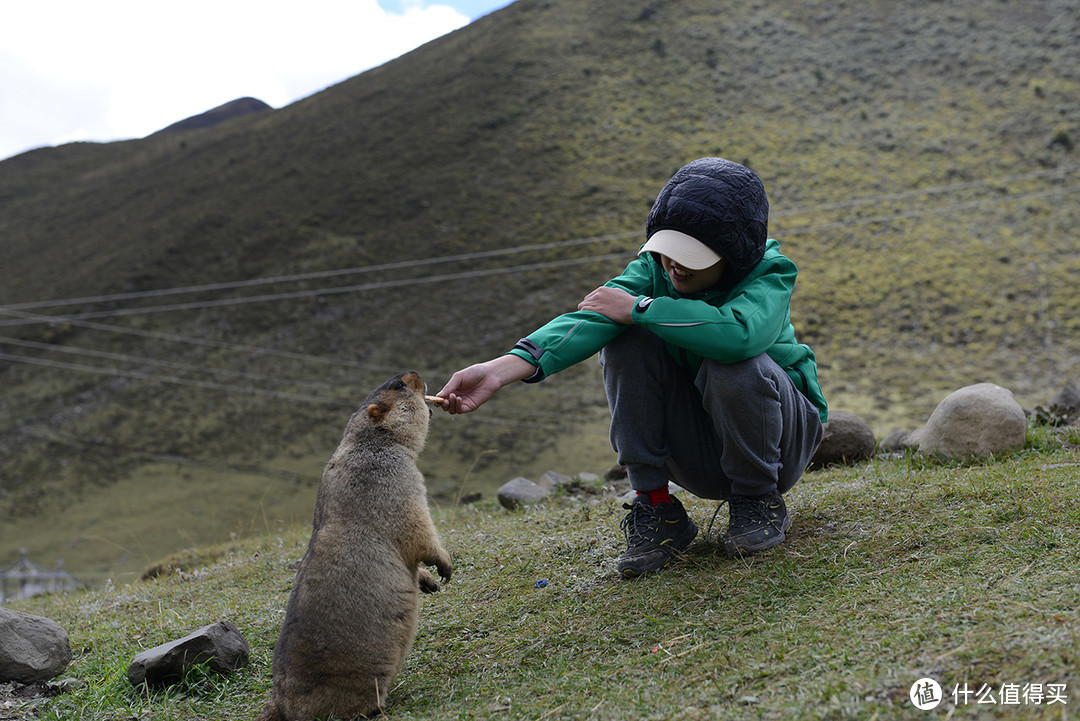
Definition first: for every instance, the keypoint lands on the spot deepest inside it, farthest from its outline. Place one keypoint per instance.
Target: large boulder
(32, 648)
(220, 645)
(979, 420)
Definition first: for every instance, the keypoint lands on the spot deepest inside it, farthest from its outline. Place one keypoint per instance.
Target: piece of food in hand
(437, 400)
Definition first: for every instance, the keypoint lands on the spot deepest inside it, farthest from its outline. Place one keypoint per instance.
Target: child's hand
(614, 304)
(471, 387)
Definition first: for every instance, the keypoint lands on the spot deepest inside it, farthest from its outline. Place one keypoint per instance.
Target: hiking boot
(654, 535)
(757, 523)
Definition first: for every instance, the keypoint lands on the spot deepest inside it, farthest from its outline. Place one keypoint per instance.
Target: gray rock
(978, 420)
(1066, 402)
(221, 644)
(899, 440)
(521, 491)
(615, 473)
(32, 648)
(551, 479)
(848, 438)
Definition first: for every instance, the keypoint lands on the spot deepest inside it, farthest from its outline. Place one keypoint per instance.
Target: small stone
(551, 479)
(898, 440)
(221, 644)
(521, 491)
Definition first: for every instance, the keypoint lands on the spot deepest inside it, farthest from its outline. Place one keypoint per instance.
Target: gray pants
(741, 428)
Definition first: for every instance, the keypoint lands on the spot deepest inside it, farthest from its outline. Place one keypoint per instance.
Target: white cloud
(113, 69)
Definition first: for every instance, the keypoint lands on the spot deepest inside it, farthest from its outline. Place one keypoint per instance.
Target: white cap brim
(685, 250)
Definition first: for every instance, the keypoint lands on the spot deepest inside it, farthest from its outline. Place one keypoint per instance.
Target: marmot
(354, 607)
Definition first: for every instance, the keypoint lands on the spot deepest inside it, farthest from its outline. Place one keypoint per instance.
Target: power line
(420, 262)
(210, 385)
(224, 302)
(142, 360)
(204, 342)
(82, 320)
(342, 363)
(170, 458)
(176, 380)
(318, 275)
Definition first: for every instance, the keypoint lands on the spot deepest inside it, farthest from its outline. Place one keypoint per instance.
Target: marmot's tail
(272, 712)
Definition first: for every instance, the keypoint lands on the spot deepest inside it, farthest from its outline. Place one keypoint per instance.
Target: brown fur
(354, 608)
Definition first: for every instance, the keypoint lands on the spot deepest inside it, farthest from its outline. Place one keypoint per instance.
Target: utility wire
(170, 458)
(81, 319)
(339, 363)
(498, 252)
(241, 375)
(175, 380)
(204, 342)
(317, 275)
(142, 360)
(446, 277)
(85, 319)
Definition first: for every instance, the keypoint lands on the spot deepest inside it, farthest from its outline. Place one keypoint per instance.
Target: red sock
(660, 495)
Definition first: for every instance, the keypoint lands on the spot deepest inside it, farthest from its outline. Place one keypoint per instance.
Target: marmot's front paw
(445, 566)
(428, 584)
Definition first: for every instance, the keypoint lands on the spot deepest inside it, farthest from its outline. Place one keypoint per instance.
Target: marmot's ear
(377, 411)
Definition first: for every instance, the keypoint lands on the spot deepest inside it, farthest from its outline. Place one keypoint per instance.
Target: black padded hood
(723, 205)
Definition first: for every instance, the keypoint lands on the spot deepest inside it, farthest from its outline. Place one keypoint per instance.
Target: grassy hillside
(921, 167)
(895, 570)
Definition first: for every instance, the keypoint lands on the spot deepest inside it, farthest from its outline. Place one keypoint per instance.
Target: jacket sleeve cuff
(531, 352)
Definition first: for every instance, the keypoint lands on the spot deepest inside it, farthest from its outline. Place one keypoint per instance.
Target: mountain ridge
(219, 114)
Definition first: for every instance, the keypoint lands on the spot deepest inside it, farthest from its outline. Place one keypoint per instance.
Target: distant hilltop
(231, 109)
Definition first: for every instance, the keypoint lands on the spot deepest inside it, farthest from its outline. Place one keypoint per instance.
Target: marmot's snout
(416, 384)
(413, 380)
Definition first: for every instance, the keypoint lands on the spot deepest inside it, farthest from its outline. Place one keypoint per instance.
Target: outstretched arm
(471, 387)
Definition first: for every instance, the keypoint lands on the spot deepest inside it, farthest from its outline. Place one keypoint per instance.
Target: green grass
(895, 569)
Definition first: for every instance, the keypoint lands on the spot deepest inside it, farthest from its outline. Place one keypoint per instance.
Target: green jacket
(727, 325)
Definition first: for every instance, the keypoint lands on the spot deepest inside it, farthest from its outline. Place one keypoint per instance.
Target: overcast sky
(106, 70)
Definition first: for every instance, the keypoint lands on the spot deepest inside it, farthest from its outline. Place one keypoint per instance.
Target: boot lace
(753, 511)
(641, 524)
